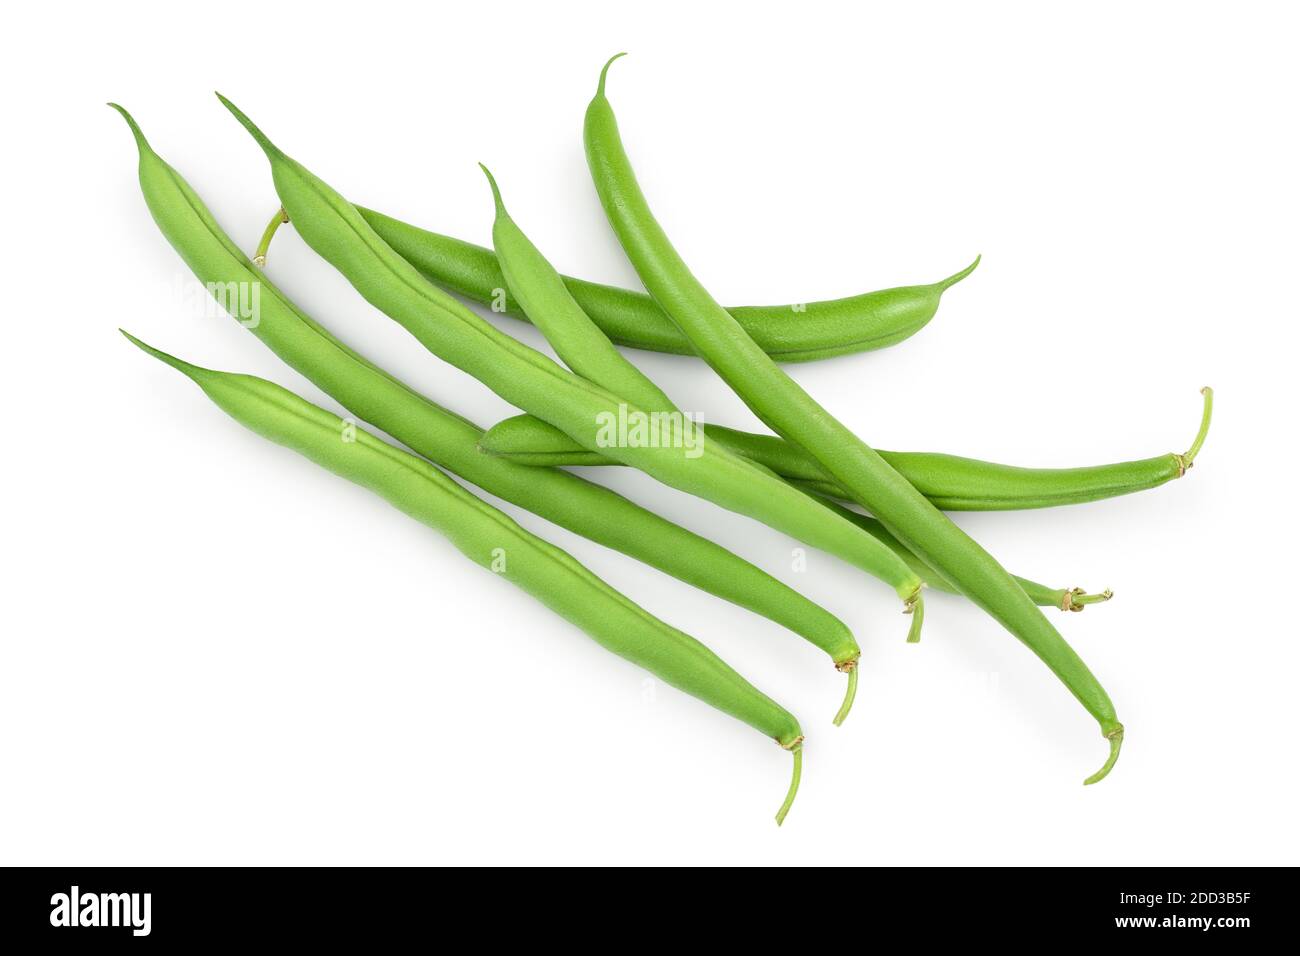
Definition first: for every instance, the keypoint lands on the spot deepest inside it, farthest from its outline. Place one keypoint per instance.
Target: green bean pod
(451, 441)
(799, 332)
(782, 405)
(493, 540)
(951, 482)
(533, 382)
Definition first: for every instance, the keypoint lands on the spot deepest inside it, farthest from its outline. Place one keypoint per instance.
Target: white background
(213, 652)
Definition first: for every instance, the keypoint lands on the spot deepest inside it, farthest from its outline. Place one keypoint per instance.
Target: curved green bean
(450, 441)
(951, 482)
(791, 412)
(533, 382)
(493, 540)
(799, 332)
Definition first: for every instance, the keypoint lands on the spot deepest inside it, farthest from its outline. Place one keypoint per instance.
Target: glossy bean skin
(451, 441)
(493, 540)
(782, 405)
(533, 382)
(799, 332)
(951, 482)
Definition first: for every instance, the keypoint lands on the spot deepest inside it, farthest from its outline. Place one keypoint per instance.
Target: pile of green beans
(813, 478)
(530, 380)
(792, 413)
(450, 441)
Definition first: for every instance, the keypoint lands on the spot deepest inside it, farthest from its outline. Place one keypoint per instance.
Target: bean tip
(600, 87)
(956, 277)
(262, 140)
(496, 192)
(179, 364)
(140, 141)
(142, 346)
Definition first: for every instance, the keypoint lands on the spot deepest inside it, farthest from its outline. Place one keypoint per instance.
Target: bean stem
(1187, 457)
(264, 245)
(916, 608)
(1116, 737)
(850, 692)
(1079, 599)
(794, 784)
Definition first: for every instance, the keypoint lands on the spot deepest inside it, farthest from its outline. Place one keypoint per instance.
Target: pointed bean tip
(956, 277)
(600, 87)
(141, 345)
(496, 192)
(179, 364)
(138, 133)
(262, 140)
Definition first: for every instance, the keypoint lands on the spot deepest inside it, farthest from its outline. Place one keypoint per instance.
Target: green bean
(533, 382)
(951, 482)
(449, 440)
(799, 332)
(791, 412)
(493, 540)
